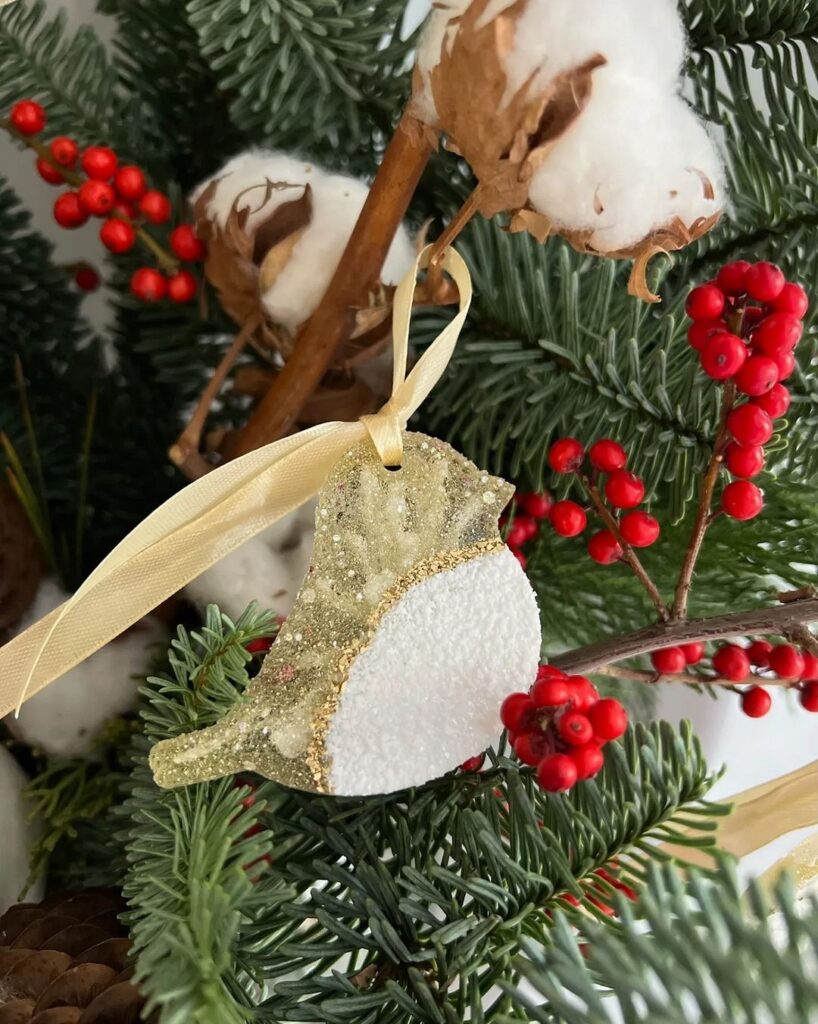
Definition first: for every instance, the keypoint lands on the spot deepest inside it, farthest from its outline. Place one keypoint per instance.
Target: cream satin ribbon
(214, 515)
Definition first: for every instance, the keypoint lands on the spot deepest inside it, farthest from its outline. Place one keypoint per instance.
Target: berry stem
(628, 554)
(687, 678)
(166, 260)
(779, 620)
(703, 514)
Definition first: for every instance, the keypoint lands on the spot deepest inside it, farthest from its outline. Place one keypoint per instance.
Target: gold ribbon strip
(762, 814)
(215, 514)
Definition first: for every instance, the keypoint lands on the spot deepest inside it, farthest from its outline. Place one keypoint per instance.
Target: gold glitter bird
(413, 623)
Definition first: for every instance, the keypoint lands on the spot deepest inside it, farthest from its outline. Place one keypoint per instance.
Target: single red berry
(583, 693)
(148, 284)
(742, 500)
(182, 287)
(731, 277)
(705, 303)
(608, 719)
(259, 646)
(532, 747)
(130, 183)
(758, 375)
(186, 244)
(779, 332)
(639, 529)
(99, 163)
(550, 693)
(566, 455)
(756, 702)
(523, 529)
(624, 489)
(604, 548)
(64, 150)
(568, 518)
(701, 331)
(87, 279)
(97, 197)
(588, 760)
(536, 503)
(787, 661)
(516, 711)
(752, 316)
(693, 652)
(48, 172)
(28, 117)
(124, 210)
(557, 773)
(810, 673)
(607, 456)
(809, 696)
(723, 356)
(155, 206)
(69, 211)
(473, 764)
(744, 462)
(575, 728)
(732, 662)
(117, 235)
(550, 672)
(668, 659)
(764, 282)
(776, 402)
(523, 561)
(750, 425)
(759, 653)
(785, 361)
(792, 299)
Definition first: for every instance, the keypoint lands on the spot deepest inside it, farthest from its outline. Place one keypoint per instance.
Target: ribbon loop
(216, 514)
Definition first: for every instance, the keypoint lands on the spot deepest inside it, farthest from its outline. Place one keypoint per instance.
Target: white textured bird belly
(413, 623)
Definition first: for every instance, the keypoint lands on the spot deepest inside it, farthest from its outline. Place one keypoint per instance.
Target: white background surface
(753, 750)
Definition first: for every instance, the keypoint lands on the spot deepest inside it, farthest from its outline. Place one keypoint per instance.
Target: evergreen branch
(691, 949)
(779, 621)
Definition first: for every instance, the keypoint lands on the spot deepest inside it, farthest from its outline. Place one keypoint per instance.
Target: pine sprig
(695, 949)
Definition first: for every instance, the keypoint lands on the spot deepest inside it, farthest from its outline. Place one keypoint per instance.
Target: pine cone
(21, 562)
(66, 961)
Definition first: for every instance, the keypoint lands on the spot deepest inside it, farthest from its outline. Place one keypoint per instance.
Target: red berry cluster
(746, 325)
(758, 662)
(118, 193)
(561, 726)
(530, 508)
(623, 490)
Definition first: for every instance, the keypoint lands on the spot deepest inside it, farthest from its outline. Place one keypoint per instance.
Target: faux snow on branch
(570, 115)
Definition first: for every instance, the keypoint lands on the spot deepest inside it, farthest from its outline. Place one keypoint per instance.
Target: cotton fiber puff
(64, 719)
(337, 200)
(268, 569)
(569, 111)
(19, 835)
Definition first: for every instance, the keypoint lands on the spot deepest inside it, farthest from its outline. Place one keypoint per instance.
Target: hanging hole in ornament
(393, 469)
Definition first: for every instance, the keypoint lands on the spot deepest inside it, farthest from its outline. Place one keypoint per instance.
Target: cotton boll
(245, 176)
(337, 200)
(633, 162)
(640, 38)
(64, 718)
(268, 569)
(19, 834)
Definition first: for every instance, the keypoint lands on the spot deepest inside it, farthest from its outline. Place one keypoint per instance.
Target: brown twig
(687, 678)
(166, 260)
(779, 620)
(329, 327)
(628, 554)
(703, 515)
(184, 453)
(454, 227)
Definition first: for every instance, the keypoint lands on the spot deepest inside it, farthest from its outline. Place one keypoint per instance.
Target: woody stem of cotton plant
(358, 272)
